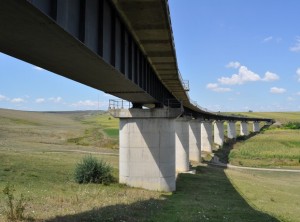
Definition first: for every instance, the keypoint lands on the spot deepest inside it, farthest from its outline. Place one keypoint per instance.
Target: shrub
(14, 207)
(92, 170)
(292, 125)
(241, 138)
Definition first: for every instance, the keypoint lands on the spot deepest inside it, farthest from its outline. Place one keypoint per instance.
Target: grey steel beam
(85, 41)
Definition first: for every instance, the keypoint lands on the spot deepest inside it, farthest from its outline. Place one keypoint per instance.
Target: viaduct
(124, 48)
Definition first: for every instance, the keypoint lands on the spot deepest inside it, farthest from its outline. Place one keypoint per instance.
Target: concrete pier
(244, 131)
(182, 144)
(206, 136)
(147, 148)
(219, 132)
(194, 140)
(256, 127)
(231, 129)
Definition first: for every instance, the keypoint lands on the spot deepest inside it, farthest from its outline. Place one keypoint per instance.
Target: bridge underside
(82, 40)
(124, 48)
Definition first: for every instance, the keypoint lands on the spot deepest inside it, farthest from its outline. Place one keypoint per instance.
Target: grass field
(274, 147)
(282, 117)
(37, 158)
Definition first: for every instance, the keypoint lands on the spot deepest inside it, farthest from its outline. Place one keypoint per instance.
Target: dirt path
(82, 151)
(253, 168)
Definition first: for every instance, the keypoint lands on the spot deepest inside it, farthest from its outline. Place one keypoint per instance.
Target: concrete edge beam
(146, 113)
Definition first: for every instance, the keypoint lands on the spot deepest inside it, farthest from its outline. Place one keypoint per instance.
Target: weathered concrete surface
(147, 153)
(206, 136)
(182, 144)
(219, 132)
(146, 113)
(195, 140)
(231, 129)
(244, 131)
(256, 127)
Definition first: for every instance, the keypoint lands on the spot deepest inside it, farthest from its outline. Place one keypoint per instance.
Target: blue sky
(238, 56)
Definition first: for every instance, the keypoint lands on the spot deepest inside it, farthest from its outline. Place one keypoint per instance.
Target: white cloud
(215, 87)
(88, 103)
(38, 68)
(298, 74)
(234, 65)
(277, 90)
(269, 76)
(55, 99)
(290, 99)
(296, 47)
(40, 100)
(244, 75)
(17, 100)
(298, 93)
(3, 98)
(268, 39)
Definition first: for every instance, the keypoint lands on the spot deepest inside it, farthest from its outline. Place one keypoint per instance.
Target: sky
(237, 55)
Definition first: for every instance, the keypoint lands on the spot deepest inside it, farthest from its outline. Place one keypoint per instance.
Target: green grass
(275, 147)
(46, 180)
(39, 161)
(276, 193)
(114, 133)
(208, 196)
(102, 131)
(282, 117)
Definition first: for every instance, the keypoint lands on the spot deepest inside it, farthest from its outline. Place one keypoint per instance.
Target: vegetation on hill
(92, 170)
(276, 146)
(38, 160)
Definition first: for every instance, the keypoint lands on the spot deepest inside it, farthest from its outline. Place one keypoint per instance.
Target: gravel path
(253, 168)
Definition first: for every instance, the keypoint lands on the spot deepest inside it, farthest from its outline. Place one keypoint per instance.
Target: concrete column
(147, 148)
(244, 129)
(206, 136)
(194, 140)
(182, 145)
(231, 129)
(256, 127)
(219, 132)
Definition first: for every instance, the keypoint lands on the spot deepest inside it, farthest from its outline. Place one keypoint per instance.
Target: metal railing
(200, 107)
(185, 83)
(119, 104)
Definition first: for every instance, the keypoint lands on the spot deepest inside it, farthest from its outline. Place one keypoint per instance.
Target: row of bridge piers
(157, 144)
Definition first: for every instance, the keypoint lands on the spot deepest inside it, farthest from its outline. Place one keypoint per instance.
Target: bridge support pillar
(182, 145)
(219, 132)
(194, 140)
(256, 127)
(147, 148)
(231, 129)
(206, 136)
(244, 131)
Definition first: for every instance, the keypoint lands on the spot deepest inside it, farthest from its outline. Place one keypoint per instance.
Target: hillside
(282, 117)
(59, 131)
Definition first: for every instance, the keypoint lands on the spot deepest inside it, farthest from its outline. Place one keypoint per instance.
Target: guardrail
(200, 107)
(185, 83)
(119, 104)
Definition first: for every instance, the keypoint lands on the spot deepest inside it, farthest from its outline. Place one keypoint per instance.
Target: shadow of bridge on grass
(223, 152)
(206, 196)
